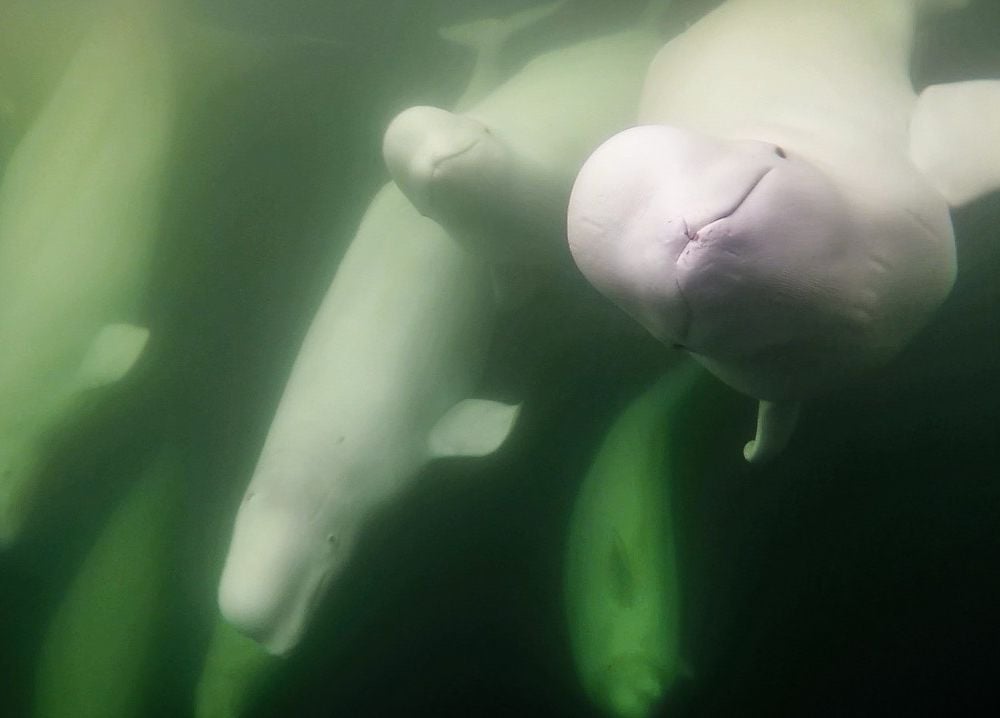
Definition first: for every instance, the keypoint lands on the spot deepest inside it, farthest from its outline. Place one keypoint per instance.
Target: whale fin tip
(114, 352)
(473, 427)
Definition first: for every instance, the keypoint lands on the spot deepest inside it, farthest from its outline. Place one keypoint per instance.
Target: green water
(856, 575)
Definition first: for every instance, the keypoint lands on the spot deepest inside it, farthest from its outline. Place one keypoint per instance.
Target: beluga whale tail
(788, 233)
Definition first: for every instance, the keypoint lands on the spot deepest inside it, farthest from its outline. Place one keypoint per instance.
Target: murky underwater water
(854, 575)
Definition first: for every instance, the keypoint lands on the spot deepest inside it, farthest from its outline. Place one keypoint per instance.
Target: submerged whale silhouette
(782, 211)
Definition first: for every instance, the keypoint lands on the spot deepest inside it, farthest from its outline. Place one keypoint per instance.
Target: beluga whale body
(781, 211)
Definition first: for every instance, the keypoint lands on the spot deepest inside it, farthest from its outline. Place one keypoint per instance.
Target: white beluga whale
(497, 172)
(79, 212)
(383, 384)
(782, 210)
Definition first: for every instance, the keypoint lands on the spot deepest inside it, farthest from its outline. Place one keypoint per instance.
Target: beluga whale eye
(780, 151)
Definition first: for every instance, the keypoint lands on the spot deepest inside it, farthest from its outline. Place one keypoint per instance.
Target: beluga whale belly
(781, 211)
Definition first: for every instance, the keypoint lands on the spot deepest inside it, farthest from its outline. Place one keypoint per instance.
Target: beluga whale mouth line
(438, 161)
(696, 234)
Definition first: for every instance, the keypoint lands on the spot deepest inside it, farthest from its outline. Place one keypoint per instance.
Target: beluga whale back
(782, 210)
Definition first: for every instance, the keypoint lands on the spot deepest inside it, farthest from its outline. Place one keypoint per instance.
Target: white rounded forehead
(653, 162)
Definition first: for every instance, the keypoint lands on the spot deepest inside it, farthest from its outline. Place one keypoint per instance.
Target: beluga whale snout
(277, 572)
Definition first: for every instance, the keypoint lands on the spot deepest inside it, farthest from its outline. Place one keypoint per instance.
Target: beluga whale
(384, 383)
(781, 210)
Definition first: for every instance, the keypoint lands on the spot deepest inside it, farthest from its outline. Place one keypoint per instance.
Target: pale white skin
(380, 366)
(767, 215)
(79, 214)
(499, 173)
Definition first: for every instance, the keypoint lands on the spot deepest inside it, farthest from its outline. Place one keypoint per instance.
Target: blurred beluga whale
(782, 211)
(497, 172)
(79, 211)
(383, 381)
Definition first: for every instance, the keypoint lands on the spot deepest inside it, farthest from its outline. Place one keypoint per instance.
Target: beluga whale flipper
(782, 210)
(497, 172)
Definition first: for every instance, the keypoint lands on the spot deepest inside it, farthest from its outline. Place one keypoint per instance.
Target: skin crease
(766, 215)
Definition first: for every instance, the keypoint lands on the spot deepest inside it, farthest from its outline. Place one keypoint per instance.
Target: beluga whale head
(749, 256)
(732, 250)
(438, 157)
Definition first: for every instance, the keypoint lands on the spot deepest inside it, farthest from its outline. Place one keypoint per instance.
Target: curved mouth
(438, 161)
(682, 340)
(439, 174)
(695, 235)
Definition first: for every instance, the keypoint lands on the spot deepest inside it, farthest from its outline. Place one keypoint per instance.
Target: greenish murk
(236, 670)
(102, 643)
